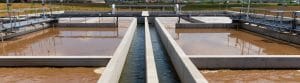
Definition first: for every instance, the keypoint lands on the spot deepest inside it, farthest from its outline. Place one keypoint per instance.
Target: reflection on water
(68, 41)
(232, 42)
(134, 70)
(48, 75)
(252, 76)
(165, 68)
(225, 42)
(65, 41)
(229, 42)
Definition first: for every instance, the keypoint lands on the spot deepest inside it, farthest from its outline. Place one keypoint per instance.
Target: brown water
(49, 75)
(232, 42)
(229, 42)
(67, 41)
(64, 42)
(252, 76)
(225, 42)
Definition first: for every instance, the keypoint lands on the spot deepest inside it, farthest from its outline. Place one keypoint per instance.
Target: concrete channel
(165, 69)
(187, 71)
(114, 68)
(134, 70)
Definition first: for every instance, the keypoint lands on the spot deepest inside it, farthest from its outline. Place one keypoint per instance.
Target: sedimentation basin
(226, 42)
(67, 46)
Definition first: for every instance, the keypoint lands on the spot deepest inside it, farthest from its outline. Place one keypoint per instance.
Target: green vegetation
(56, 7)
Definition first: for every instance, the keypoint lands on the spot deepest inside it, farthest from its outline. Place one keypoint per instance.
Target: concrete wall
(99, 25)
(151, 70)
(205, 25)
(186, 70)
(246, 62)
(113, 70)
(192, 20)
(270, 33)
(54, 61)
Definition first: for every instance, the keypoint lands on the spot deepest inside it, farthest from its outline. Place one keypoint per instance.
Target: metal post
(178, 19)
(19, 15)
(51, 8)
(113, 9)
(117, 22)
(9, 12)
(14, 20)
(2, 39)
(177, 9)
(240, 14)
(43, 4)
(227, 3)
(2, 24)
(248, 9)
(294, 21)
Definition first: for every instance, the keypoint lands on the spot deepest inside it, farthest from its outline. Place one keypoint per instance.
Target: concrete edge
(246, 62)
(187, 71)
(192, 20)
(246, 56)
(106, 25)
(53, 57)
(205, 25)
(54, 61)
(151, 69)
(113, 70)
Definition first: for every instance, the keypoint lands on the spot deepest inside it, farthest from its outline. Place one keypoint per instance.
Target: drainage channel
(134, 70)
(165, 69)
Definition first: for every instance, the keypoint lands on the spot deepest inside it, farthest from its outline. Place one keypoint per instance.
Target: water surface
(49, 75)
(67, 41)
(204, 41)
(252, 76)
(134, 70)
(230, 42)
(165, 68)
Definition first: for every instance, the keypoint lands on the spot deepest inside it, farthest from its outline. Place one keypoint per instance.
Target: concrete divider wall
(105, 25)
(205, 25)
(281, 36)
(113, 70)
(186, 70)
(54, 61)
(151, 70)
(192, 20)
(246, 62)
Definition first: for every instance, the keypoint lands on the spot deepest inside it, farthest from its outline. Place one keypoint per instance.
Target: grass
(56, 7)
